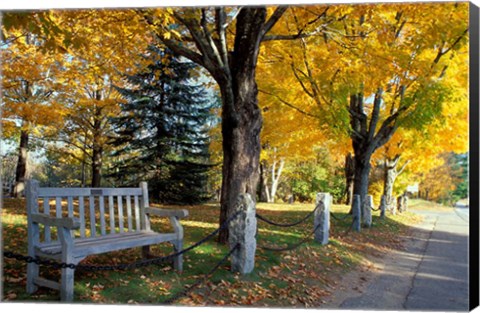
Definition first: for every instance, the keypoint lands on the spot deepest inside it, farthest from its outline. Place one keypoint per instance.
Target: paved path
(432, 274)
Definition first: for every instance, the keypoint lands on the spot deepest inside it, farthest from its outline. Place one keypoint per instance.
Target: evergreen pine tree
(162, 133)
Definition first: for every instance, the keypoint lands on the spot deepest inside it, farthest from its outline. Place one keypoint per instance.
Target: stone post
(400, 204)
(321, 221)
(356, 212)
(367, 211)
(394, 206)
(383, 206)
(242, 231)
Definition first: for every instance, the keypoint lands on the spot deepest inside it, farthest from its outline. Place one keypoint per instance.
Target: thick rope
(291, 247)
(184, 292)
(289, 224)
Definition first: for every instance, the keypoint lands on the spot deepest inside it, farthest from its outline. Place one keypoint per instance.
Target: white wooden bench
(69, 224)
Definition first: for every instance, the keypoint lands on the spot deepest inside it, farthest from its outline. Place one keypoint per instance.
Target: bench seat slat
(108, 243)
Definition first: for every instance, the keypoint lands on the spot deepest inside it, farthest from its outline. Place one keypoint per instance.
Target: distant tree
(446, 183)
(460, 165)
(162, 131)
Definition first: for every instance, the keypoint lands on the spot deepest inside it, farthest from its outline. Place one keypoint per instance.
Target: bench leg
(146, 252)
(32, 273)
(66, 285)
(178, 260)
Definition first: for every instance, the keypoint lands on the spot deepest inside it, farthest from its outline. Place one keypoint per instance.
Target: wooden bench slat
(39, 281)
(70, 206)
(109, 243)
(103, 231)
(120, 214)
(129, 213)
(93, 228)
(137, 213)
(58, 206)
(46, 210)
(111, 211)
(81, 212)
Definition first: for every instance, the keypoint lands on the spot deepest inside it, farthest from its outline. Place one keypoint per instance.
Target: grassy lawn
(423, 205)
(297, 278)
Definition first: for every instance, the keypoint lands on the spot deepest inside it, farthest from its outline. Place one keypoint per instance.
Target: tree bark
(366, 138)
(21, 170)
(276, 174)
(349, 177)
(362, 172)
(241, 153)
(390, 175)
(97, 166)
(262, 190)
(97, 150)
(241, 126)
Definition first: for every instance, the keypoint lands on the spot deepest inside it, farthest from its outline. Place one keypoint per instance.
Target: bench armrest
(65, 222)
(167, 213)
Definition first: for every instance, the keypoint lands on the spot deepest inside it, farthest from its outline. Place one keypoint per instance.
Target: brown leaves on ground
(303, 277)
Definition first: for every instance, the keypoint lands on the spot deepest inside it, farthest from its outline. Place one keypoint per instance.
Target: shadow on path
(430, 275)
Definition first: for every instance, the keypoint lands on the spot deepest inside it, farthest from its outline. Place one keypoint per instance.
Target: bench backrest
(101, 211)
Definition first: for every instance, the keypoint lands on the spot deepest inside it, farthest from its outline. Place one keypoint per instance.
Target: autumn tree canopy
(375, 69)
(377, 84)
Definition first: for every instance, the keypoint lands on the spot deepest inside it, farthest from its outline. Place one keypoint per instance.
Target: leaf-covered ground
(296, 278)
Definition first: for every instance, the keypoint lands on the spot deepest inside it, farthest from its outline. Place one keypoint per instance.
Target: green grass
(298, 278)
(423, 205)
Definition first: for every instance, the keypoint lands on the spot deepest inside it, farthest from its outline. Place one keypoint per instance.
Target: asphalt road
(431, 275)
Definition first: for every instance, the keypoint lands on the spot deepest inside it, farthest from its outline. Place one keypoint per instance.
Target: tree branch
(375, 113)
(289, 104)
(277, 14)
(403, 167)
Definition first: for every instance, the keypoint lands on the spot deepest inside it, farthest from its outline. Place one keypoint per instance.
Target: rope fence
(335, 217)
(203, 279)
(260, 217)
(291, 247)
(294, 246)
(320, 230)
(355, 218)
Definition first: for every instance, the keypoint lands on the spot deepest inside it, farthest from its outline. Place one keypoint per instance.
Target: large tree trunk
(362, 172)
(390, 175)
(366, 138)
(276, 174)
(21, 165)
(349, 178)
(97, 150)
(262, 189)
(241, 115)
(241, 139)
(97, 166)
(241, 153)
